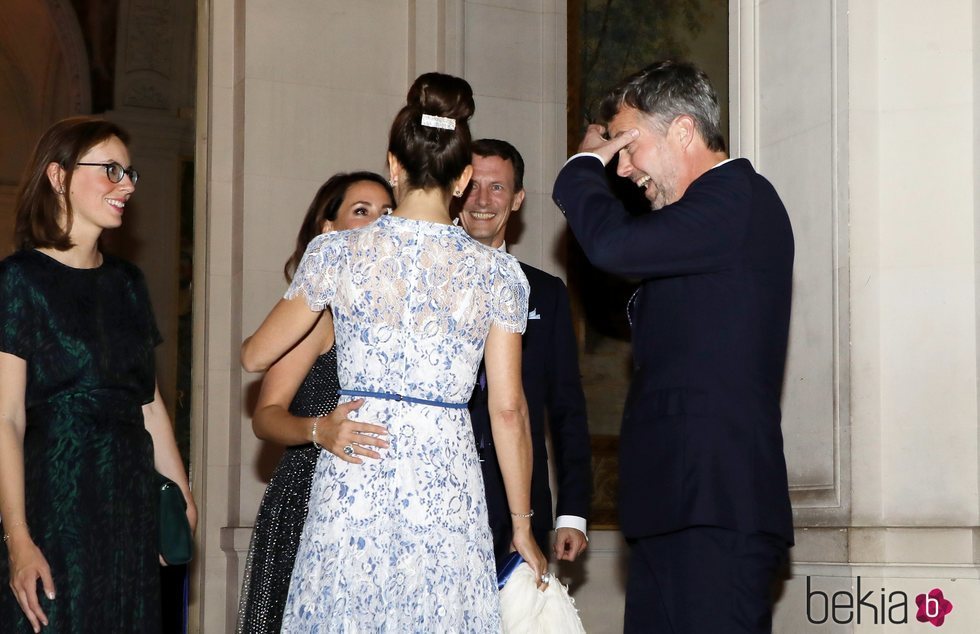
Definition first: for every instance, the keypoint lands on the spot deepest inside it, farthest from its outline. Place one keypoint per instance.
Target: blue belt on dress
(401, 397)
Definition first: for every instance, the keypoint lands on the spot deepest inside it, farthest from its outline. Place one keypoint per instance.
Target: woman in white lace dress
(401, 543)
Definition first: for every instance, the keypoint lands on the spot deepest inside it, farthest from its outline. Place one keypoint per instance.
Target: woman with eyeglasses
(298, 392)
(400, 542)
(82, 423)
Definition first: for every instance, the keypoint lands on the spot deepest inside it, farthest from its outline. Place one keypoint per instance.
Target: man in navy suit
(704, 501)
(550, 373)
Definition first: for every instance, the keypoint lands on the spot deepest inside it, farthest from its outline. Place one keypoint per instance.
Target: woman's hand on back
(335, 432)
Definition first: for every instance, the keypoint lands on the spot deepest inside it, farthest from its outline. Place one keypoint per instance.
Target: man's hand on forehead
(598, 142)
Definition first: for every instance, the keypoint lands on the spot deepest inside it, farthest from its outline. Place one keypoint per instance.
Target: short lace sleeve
(16, 322)
(510, 295)
(317, 271)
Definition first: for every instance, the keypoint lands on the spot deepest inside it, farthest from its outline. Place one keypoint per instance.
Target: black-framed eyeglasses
(115, 172)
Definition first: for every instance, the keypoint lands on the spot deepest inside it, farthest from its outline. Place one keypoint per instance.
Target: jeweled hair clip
(443, 123)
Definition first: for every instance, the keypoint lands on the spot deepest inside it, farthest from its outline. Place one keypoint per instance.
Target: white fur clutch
(527, 610)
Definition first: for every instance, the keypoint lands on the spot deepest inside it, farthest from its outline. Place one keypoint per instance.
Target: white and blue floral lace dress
(402, 544)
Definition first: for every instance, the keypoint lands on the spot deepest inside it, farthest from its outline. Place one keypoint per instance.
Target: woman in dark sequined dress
(300, 390)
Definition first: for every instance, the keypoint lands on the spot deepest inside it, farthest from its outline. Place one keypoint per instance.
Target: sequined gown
(87, 336)
(283, 510)
(402, 544)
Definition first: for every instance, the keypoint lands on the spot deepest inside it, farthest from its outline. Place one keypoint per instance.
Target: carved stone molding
(75, 55)
(795, 133)
(146, 62)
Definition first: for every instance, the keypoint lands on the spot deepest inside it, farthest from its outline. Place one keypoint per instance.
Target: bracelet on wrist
(316, 421)
(6, 528)
(523, 515)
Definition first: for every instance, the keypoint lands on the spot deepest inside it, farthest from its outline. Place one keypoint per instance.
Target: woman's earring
(458, 194)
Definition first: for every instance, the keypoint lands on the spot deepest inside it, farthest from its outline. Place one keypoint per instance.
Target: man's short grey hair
(666, 90)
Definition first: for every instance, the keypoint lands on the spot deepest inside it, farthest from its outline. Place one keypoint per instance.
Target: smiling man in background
(551, 378)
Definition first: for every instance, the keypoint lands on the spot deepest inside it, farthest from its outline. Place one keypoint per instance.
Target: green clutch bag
(174, 540)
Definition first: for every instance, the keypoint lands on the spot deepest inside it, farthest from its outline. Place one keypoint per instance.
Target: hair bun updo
(433, 157)
(441, 95)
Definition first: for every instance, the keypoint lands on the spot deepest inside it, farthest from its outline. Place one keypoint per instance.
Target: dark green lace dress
(88, 337)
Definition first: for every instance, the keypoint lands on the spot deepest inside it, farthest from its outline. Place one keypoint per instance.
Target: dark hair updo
(433, 157)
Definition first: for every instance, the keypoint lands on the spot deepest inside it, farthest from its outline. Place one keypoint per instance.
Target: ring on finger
(349, 449)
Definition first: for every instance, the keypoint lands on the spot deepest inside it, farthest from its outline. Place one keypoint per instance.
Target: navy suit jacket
(552, 385)
(701, 442)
